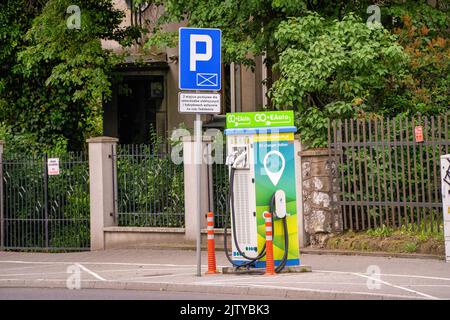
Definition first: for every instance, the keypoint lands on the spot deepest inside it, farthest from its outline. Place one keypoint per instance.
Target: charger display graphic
(260, 155)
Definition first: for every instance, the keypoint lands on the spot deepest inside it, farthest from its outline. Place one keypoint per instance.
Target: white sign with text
(208, 103)
(53, 166)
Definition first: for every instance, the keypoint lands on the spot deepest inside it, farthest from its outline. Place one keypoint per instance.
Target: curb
(264, 293)
(371, 254)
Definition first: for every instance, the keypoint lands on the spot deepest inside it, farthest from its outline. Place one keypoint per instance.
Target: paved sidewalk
(333, 277)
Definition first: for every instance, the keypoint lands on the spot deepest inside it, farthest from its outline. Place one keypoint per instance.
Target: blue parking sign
(200, 59)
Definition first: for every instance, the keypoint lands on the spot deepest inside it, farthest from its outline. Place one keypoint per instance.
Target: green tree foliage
(54, 84)
(333, 69)
(15, 19)
(247, 26)
(328, 63)
(423, 32)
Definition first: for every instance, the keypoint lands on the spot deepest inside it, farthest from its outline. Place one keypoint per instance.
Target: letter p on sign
(195, 56)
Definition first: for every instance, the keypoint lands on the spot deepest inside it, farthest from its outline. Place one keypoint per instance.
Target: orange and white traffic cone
(211, 244)
(270, 263)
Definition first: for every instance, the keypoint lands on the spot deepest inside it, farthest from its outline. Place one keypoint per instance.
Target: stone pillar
(322, 215)
(190, 188)
(302, 240)
(101, 178)
(2, 205)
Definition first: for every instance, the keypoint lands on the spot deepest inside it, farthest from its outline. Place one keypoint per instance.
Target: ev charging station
(261, 158)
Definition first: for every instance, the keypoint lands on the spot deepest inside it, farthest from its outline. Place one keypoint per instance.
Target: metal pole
(46, 199)
(238, 88)
(198, 162)
(2, 204)
(209, 173)
(114, 184)
(233, 87)
(264, 77)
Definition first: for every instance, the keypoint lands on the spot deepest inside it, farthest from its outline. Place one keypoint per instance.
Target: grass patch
(407, 239)
(410, 247)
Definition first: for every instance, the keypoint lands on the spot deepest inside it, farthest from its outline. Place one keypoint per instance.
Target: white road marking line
(319, 283)
(413, 276)
(92, 273)
(17, 268)
(102, 271)
(396, 286)
(40, 280)
(105, 263)
(31, 274)
(389, 275)
(142, 269)
(429, 285)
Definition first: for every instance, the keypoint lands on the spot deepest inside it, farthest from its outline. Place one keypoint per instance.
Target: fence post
(2, 203)
(101, 181)
(45, 168)
(321, 214)
(190, 197)
(302, 241)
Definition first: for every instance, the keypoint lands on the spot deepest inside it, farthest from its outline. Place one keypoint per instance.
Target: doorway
(136, 107)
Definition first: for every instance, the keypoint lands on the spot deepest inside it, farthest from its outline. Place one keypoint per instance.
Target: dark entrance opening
(136, 106)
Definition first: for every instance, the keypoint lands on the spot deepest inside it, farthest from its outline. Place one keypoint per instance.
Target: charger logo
(238, 119)
(260, 117)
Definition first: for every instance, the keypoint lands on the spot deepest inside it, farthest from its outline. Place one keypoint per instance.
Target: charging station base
(287, 269)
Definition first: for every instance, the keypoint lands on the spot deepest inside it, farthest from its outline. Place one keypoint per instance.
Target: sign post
(198, 176)
(199, 69)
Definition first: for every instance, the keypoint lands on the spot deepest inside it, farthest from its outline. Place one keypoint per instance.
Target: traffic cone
(211, 244)
(270, 264)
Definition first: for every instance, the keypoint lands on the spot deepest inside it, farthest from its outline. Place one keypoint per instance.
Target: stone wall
(322, 215)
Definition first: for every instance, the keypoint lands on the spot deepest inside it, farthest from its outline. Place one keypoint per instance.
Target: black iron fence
(42, 211)
(389, 171)
(220, 182)
(149, 188)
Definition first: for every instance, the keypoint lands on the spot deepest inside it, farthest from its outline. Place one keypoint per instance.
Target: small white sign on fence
(53, 166)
